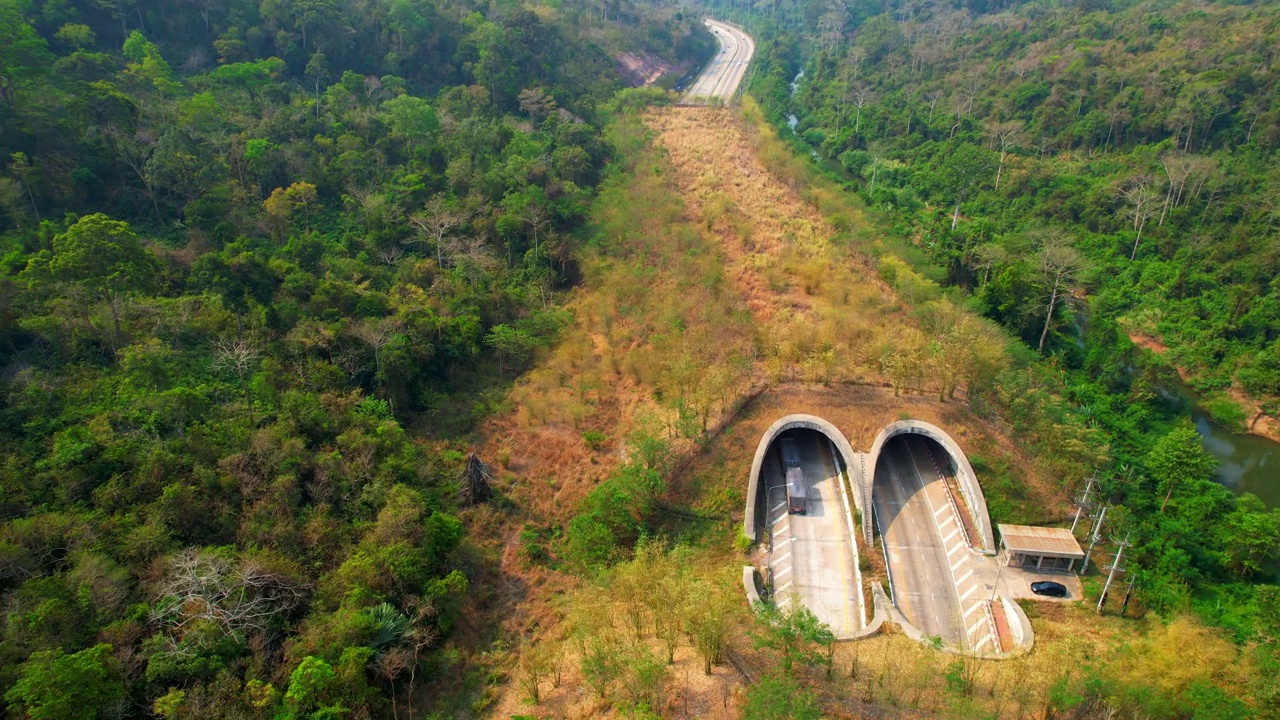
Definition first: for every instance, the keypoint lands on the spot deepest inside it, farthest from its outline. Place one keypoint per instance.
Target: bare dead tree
(244, 596)
(437, 220)
(392, 664)
(240, 357)
(475, 480)
(1060, 263)
(1004, 134)
(391, 254)
(537, 217)
(1139, 193)
(422, 616)
(378, 333)
(861, 95)
(933, 96)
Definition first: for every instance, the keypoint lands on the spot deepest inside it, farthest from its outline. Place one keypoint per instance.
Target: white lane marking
(940, 510)
(985, 639)
(944, 523)
(975, 606)
(958, 564)
(780, 519)
(969, 592)
(782, 558)
(964, 577)
(785, 585)
(783, 571)
(947, 539)
(954, 550)
(977, 626)
(778, 507)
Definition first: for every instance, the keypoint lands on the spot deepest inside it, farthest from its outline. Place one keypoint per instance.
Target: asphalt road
(918, 563)
(812, 558)
(721, 77)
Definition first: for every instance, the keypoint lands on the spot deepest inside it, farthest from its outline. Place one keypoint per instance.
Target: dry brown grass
(860, 412)
(722, 278)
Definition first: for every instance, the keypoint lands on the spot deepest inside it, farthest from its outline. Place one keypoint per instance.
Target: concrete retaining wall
(968, 481)
(809, 422)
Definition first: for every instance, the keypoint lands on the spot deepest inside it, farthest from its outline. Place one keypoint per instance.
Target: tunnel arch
(968, 480)
(791, 422)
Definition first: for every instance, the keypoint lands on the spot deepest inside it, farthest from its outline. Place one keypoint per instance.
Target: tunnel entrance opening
(810, 556)
(919, 461)
(803, 427)
(942, 458)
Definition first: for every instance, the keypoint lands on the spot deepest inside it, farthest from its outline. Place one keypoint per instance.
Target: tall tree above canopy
(1179, 458)
(24, 55)
(100, 257)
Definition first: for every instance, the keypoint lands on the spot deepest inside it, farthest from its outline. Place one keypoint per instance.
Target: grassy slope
(713, 279)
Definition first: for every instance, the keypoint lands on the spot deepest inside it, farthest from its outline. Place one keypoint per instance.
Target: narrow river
(1247, 463)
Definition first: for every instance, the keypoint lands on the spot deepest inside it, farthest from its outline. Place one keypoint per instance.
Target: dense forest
(1089, 176)
(253, 254)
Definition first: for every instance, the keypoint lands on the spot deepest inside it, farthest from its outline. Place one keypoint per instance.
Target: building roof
(1048, 542)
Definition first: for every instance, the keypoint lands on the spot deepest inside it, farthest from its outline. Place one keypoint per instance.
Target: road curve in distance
(720, 78)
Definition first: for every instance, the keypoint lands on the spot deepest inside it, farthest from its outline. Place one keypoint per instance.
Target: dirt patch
(642, 69)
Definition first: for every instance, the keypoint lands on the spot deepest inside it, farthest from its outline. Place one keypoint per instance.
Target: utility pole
(1112, 569)
(1093, 538)
(1128, 592)
(1082, 502)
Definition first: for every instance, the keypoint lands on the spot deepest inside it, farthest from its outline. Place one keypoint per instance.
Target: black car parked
(1051, 589)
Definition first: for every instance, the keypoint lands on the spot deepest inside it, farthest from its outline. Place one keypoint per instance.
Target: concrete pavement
(720, 78)
(932, 566)
(812, 557)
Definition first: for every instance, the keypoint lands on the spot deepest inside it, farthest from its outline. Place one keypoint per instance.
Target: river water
(1246, 463)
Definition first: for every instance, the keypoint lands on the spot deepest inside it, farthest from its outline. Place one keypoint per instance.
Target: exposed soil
(642, 69)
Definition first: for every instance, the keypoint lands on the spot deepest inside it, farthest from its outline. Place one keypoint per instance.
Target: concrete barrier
(749, 585)
(968, 480)
(808, 422)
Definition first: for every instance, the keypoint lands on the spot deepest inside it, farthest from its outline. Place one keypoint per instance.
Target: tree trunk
(955, 216)
(1053, 301)
(1000, 168)
(1137, 240)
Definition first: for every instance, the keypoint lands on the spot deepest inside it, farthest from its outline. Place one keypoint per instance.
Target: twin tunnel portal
(917, 489)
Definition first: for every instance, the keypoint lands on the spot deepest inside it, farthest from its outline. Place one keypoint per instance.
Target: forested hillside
(1146, 133)
(1099, 180)
(253, 255)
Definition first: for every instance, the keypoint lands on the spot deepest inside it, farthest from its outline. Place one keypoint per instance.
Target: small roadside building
(1039, 548)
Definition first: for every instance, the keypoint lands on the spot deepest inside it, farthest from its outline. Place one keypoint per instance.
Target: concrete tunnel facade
(783, 424)
(965, 476)
(861, 469)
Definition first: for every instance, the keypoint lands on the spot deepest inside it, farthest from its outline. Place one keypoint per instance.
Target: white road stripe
(977, 626)
(785, 585)
(969, 612)
(782, 558)
(958, 564)
(944, 523)
(964, 577)
(940, 510)
(778, 507)
(947, 539)
(780, 519)
(985, 639)
(783, 571)
(954, 550)
(972, 589)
